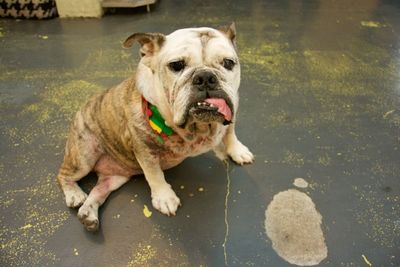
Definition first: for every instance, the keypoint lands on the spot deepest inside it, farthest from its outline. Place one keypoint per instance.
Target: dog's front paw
(165, 200)
(88, 217)
(240, 153)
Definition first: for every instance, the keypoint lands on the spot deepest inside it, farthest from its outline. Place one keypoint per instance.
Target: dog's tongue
(222, 107)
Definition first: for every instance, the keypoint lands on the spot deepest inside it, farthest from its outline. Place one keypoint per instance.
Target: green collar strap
(156, 121)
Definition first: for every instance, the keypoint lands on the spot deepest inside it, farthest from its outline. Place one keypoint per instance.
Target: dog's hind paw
(165, 200)
(88, 217)
(74, 196)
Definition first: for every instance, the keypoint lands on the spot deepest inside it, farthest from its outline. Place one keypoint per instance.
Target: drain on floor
(294, 226)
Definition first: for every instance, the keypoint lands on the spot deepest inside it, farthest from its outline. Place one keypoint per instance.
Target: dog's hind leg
(81, 154)
(88, 212)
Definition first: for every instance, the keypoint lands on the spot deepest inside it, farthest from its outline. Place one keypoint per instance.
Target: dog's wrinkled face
(190, 74)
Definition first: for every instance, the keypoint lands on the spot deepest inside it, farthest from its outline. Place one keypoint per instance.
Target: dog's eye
(228, 63)
(177, 66)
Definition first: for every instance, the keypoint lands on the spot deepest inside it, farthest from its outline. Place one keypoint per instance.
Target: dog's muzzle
(209, 103)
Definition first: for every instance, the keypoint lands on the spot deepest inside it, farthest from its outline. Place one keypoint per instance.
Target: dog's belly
(107, 166)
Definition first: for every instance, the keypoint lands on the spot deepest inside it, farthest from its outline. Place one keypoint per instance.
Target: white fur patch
(88, 215)
(164, 199)
(74, 196)
(239, 153)
(170, 91)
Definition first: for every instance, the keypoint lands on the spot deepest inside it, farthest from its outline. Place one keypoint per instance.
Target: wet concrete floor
(320, 97)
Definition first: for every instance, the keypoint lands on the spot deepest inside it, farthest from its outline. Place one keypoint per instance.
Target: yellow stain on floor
(147, 213)
(142, 255)
(324, 160)
(26, 244)
(372, 24)
(158, 250)
(293, 158)
(366, 260)
(377, 213)
(66, 98)
(329, 79)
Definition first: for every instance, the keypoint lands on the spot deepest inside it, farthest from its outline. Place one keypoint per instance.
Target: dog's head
(190, 74)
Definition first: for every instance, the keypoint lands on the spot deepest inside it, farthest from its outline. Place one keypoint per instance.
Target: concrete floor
(320, 99)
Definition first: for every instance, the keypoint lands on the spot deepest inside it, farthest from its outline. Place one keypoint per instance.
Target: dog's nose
(205, 80)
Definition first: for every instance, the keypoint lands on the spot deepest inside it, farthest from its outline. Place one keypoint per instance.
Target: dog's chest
(198, 139)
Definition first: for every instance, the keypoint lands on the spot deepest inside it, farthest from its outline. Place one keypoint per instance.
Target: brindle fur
(111, 136)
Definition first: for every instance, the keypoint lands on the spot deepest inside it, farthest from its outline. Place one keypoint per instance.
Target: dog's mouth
(211, 109)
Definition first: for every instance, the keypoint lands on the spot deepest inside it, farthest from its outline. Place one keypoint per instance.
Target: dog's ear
(150, 42)
(230, 32)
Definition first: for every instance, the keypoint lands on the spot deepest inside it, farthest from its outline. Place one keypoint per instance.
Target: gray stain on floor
(294, 226)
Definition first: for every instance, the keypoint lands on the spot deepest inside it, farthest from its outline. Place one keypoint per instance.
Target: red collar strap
(156, 121)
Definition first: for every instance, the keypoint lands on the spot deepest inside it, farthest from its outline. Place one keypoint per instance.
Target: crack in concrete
(228, 185)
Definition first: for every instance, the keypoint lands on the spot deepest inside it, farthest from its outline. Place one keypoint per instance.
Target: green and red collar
(156, 121)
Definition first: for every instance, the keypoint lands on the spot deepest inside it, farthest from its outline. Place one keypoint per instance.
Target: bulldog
(182, 101)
